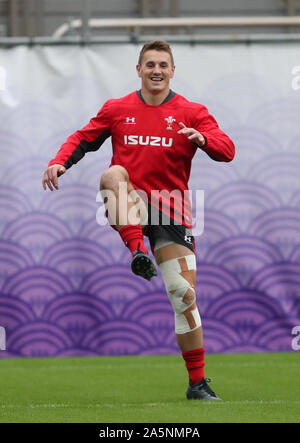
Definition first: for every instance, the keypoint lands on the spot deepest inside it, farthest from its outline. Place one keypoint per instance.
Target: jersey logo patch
(130, 121)
(170, 120)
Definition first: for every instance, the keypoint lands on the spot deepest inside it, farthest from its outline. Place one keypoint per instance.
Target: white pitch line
(81, 368)
(150, 405)
(150, 365)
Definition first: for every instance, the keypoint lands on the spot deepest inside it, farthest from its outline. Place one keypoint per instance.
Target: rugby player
(155, 134)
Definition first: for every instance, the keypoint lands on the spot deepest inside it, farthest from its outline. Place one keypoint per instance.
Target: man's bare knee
(112, 176)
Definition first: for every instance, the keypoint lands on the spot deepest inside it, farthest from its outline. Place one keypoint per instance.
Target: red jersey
(146, 143)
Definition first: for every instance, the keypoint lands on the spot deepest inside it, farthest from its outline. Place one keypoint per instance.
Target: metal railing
(79, 31)
(193, 22)
(28, 18)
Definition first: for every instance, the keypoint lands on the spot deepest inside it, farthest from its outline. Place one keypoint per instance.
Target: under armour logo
(188, 239)
(130, 120)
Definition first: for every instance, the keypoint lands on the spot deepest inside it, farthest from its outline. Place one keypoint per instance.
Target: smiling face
(156, 70)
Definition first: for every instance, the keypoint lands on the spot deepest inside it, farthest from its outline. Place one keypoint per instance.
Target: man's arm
(87, 139)
(207, 135)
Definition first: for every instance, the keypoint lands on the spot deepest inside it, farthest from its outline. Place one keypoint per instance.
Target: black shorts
(161, 226)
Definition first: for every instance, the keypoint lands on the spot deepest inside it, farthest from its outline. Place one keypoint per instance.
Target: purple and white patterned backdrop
(65, 282)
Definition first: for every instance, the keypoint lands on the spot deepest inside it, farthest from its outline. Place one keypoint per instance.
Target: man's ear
(173, 71)
(138, 70)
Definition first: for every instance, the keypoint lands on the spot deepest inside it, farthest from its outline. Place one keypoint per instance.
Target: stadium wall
(65, 283)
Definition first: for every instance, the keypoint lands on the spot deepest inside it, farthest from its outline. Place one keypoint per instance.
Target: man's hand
(51, 176)
(192, 134)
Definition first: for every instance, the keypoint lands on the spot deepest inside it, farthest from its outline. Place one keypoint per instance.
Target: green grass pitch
(254, 388)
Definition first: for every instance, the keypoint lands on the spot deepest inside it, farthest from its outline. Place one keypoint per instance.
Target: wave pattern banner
(65, 283)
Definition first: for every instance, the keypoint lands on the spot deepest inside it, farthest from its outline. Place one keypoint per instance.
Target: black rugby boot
(201, 391)
(142, 265)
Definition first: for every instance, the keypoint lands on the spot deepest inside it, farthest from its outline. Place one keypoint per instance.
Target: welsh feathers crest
(170, 120)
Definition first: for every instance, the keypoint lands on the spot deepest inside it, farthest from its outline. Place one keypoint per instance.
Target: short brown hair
(157, 45)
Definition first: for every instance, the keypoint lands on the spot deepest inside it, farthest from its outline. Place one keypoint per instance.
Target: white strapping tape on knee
(176, 287)
(182, 326)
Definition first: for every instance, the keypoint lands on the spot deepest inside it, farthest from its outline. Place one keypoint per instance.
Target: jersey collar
(168, 98)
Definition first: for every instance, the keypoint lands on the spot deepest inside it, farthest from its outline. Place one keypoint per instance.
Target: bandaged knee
(181, 293)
